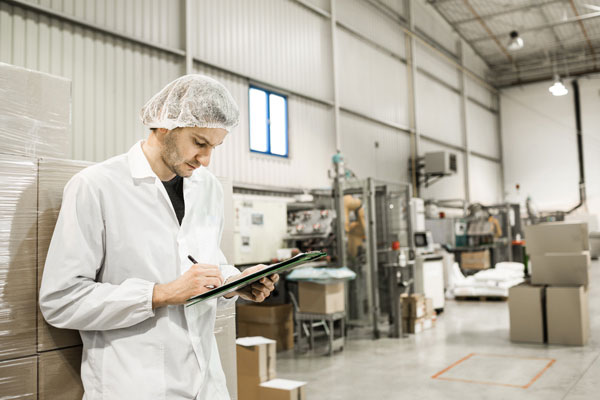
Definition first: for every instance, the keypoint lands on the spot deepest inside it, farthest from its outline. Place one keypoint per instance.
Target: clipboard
(286, 265)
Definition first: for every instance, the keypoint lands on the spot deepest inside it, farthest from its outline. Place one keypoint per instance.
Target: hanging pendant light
(516, 42)
(558, 88)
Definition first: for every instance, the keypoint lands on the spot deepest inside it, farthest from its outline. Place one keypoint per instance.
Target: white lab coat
(116, 236)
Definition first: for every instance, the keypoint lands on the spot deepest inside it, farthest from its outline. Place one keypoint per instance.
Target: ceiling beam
(529, 6)
(542, 27)
(488, 30)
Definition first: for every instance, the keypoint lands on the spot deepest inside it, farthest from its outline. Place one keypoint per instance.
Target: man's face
(185, 149)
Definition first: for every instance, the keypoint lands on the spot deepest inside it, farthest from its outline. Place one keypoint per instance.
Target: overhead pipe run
(582, 192)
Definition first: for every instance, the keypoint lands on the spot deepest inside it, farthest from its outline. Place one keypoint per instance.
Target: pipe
(582, 192)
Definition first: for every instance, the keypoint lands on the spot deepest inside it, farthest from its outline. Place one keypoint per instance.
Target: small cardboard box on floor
(271, 321)
(256, 361)
(554, 315)
(282, 389)
(417, 313)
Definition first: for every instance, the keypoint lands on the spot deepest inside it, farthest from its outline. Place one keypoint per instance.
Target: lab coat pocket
(147, 377)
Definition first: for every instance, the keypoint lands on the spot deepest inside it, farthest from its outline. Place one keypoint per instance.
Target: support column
(411, 73)
(463, 122)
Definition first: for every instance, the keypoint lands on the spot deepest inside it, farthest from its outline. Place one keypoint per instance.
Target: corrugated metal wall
(132, 48)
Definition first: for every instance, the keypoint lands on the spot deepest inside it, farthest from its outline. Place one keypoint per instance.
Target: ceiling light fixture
(557, 88)
(516, 42)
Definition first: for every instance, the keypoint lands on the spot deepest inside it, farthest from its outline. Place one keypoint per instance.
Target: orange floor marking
(535, 378)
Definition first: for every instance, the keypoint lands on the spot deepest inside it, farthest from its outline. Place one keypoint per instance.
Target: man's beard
(171, 157)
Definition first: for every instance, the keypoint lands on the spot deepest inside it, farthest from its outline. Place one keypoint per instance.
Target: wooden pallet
(481, 298)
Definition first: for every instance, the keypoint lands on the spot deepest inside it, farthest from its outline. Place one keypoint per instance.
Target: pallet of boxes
(417, 313)
(256, 366)
(553, 307)
(38, 361)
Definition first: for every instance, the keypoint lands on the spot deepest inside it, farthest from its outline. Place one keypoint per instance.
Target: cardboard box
(556, 237)
(416, 306)
(59, 375)
(282, 389)
(568, 315)
(417, 325)
(563, 269)
(18, 231)
(256, 361)
(225, 337)
(475, 260)
(282, 333)
(321, 299)
(18, 378)
(36, 113)
(268, 320)
(53, 175)
(526, 309)
(265, 313)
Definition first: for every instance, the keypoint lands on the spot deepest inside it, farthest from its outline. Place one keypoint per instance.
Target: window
(268, 122)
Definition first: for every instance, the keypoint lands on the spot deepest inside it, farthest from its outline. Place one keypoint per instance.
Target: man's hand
(259, 290)
(200, 278)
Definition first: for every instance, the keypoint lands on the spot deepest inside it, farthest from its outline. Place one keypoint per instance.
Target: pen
(192, 259)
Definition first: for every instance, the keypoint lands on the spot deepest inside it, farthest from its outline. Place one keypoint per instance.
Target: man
(118, 270)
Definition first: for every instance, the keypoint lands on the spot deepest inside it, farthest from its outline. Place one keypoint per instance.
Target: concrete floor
(403, 368)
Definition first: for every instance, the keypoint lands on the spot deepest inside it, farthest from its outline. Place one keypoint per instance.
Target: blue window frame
(268, 122)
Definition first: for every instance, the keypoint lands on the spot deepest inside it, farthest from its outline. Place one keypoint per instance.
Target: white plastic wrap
(52, 177)
(35, 113)
(225, 335)
(18, 230)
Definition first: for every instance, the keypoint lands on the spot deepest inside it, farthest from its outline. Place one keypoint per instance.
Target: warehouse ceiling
(559, 36)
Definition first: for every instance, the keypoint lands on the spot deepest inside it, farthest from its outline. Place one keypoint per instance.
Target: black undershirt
(174, 189)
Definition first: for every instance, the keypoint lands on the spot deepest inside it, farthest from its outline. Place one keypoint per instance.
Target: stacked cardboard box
(273, 321)
(554, 307)
(417, 313)
(256, 366)
(36, 115)
(321, 298)
(476, 260)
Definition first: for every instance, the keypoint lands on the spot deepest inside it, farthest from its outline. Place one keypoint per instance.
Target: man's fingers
(214, 282)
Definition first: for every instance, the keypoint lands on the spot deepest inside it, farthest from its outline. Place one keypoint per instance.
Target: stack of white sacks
(493, 282)
(554, 307)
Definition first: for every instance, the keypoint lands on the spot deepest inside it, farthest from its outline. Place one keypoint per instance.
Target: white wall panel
(431, 22)
(474, 63)
(324, 5)
(370, 81)
(370, 22)
(396, 5)
(483, 131)
(451, 187)
(590, 106)
(276, 41)
(438, 67)
(374, 150)
(156, 21)
(485, 176)
(539, 145)
(112, 79)
(479, 93)
(438, 111)
(311, 146)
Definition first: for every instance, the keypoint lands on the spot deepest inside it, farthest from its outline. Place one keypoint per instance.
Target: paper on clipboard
(286, 265)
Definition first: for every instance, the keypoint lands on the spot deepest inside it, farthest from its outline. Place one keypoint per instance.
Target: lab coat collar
(140, 167)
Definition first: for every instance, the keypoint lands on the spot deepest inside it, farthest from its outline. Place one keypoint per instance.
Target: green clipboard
(286, 265)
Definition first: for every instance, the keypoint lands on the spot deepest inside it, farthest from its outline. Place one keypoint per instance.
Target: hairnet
(191, 100)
